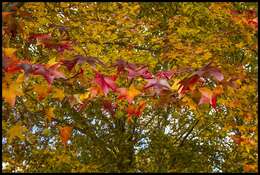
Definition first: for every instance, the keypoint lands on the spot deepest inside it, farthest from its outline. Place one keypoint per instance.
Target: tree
(129, 87)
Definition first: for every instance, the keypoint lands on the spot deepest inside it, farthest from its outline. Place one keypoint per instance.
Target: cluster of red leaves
(156, 83)
(187, 84)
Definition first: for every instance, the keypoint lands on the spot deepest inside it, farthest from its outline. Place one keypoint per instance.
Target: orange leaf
(249, 168)
(94, 91)
(129, 95)
(65, 133)
(218, 90)
(42, 90)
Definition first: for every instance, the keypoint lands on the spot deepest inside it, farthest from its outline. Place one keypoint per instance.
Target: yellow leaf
(11, 89)
(84, 96)
(16, 131)
(52, 61)
(132, 92)
(49, 113)
(58, 93)
(189, 102)
(176, 85)
(207, 55)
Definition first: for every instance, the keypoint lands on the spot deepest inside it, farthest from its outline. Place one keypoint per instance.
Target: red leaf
(60, 47)
(69, 63)
(187, 84)
(142, 71)
(158, 85)
(165, 74)
(80, 60)
(107, 104)
(208, 97)
(40, 36)
(216, 74)
(105, 83)
(49, 74)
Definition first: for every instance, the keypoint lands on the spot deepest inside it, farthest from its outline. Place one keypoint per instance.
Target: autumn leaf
(135, 110)
(250, 168)
(175, 85)
(188, 84)
(165, 74)
(42, 90)
(60, 47)
(142, 71)
(128, 94)
(40, 36)
(16, 131)
(94, 91)
(105, 82)
(93, 61)
(109, 106)
(49, 74)
(65, 134)
(58, 93)
(207, 96)
(11, 89)
(85, 96)
(49, 114)
(216, 74)
(158, 85)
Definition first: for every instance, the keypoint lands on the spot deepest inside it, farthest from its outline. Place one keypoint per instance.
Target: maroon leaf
(80, 60)
(107, 104)
(188, 84)
(90, 60)
(69, 63)
(60, 47)
(40, 36)
(121, 65)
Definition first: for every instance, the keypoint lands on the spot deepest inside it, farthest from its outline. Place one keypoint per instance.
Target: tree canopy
(129, 87)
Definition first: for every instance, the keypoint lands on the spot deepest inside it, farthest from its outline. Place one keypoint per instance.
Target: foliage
(129, 87)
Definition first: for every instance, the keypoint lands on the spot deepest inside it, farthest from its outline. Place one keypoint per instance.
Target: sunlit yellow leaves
(52, 61)
(12, 88)
(84, 96)
(207, 55)
(189, 102)
(65, 134)
(175, 85)
(16, 131)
